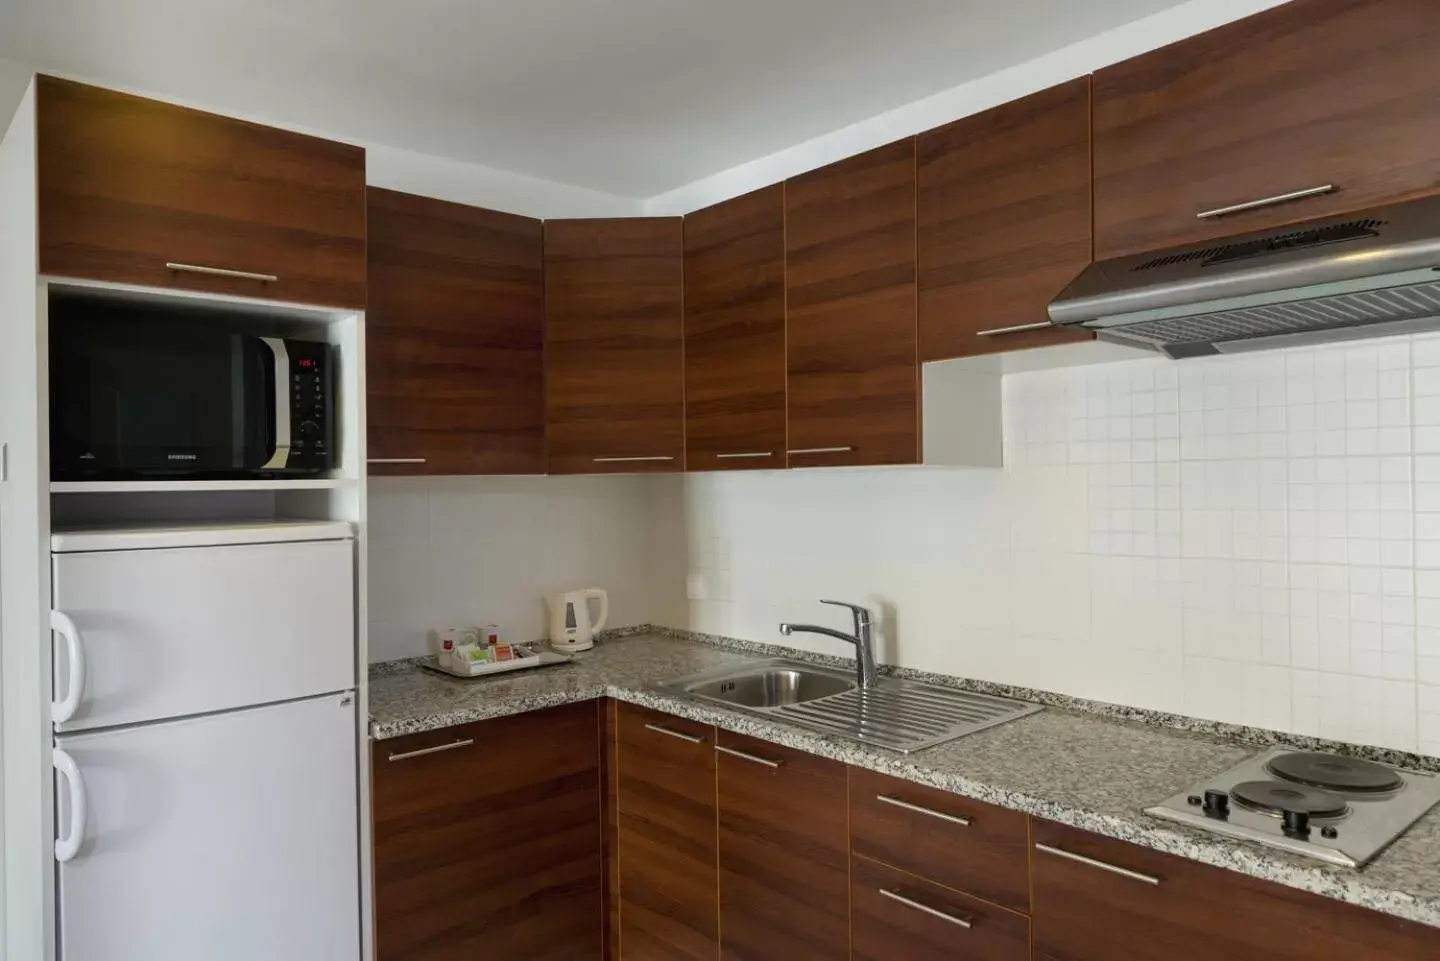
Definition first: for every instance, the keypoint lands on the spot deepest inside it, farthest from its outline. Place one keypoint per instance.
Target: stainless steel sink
(902, 716)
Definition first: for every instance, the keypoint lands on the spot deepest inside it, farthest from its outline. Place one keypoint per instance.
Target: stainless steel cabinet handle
(1266, 202)
(933, 912)
(1018, 328)
(747, 455)
(432, 750)
(629, 460)
(1082, 859)
(821, 450)
(222, 272)
(394, 460)
(952, 818)
(673, 733)
(748, 757)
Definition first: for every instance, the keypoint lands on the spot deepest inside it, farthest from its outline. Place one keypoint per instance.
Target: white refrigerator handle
(65, 708)
(67, 847)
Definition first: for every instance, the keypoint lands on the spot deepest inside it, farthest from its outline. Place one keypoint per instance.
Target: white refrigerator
(206, 744)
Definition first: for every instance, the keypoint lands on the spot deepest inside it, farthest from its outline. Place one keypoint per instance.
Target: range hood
(1365, 275)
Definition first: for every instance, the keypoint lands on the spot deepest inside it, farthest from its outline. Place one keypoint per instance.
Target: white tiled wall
(1253, 539)
(453, 551)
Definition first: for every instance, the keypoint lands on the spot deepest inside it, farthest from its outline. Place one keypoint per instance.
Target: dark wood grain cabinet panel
(957, 841)
(454, 339)
(614, 343)
(1187, 911)
(1310, 93)
(667, 837)
(1004, 222)
(784, 866)
(851, 322)
(490, 846)
(735, 333)
(128, 185)
(898, 917)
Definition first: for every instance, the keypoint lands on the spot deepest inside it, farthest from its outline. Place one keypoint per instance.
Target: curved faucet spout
(788, 629)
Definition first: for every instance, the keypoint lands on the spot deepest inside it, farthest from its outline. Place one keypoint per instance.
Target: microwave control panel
(312, 440)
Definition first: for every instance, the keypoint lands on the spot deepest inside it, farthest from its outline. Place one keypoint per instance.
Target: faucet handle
(861, 613)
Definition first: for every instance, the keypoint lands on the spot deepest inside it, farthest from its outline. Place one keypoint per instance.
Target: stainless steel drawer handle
(630, 460)
(222, 272)
(1266, 202)
(668, 732)
(433, 750)
(1017, 329)
(394, 460)
(1113, 869)
(933, 912)
(747, 455)
(821, 450)
(748, 757)
(952, 818)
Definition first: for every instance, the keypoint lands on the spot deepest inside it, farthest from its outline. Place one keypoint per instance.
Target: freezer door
(173, 632)
(231, 837)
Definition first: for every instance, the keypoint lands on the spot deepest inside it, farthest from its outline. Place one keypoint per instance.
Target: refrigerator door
(173, 632)
(230, 837)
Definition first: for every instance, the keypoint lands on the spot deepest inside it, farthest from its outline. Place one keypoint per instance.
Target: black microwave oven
(186, 400)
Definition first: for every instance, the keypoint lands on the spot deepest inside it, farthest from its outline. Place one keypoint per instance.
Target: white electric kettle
(571, 629)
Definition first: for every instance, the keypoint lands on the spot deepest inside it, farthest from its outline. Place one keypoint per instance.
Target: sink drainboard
(902, 716)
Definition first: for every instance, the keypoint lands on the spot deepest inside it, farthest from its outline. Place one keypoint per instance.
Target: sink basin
(898, 715)
(771, 687)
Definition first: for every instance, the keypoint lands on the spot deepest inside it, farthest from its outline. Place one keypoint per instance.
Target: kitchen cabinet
(1004, 223)
(665, 781)
(898, 917)
(1333, 102)
(454, 339)
(853, 370)
(735, 333)
(784, 866)
(142, 192)
(488, 840)
(614, 345)
(1097, 899)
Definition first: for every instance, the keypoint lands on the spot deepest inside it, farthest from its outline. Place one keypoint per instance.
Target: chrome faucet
(863, 639)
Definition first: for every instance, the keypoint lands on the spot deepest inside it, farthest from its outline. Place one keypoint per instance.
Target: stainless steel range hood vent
(1341, 278)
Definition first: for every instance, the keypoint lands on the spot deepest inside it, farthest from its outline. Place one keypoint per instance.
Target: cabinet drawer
(897, 917)
(959, 842)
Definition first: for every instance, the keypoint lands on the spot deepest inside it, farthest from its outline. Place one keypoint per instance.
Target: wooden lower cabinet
(896, 916)
(784, 864)
(666, 841)
(487, 840)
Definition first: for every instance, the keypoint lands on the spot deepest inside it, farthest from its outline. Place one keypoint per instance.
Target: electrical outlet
(695, 587)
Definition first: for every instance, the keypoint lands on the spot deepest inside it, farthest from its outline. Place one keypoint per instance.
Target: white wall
(1251, 539)
(458, 551)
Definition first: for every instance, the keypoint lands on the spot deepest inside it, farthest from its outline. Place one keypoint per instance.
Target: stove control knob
(1217, 804)
(1296, 824)
(1329, 833)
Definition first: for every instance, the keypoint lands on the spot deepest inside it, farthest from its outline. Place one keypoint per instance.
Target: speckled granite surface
(1094, 772)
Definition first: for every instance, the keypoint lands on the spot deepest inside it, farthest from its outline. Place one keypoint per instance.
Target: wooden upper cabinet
(735, 333)
(1096, 899)
(1309, 94)
(850, 287)
(129, 186)
(614, 342)
(454, 339)
(1004, 210)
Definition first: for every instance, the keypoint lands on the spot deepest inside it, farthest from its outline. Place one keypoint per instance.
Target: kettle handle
(604, 599)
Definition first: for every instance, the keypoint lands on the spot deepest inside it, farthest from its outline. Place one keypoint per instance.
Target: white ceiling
(632, 97)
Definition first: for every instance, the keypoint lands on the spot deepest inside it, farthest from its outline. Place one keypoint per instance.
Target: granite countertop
(1089, 771)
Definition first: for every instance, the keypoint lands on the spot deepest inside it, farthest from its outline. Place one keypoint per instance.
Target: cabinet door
(1004, 210)
(1311, 94)
(784, 870)
(735, 333)
(1097, 899)
(130, 186)
(850, 290)
(898, 917)
(454, 339)
(614, 345)
(487, 840)
(666, 837)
